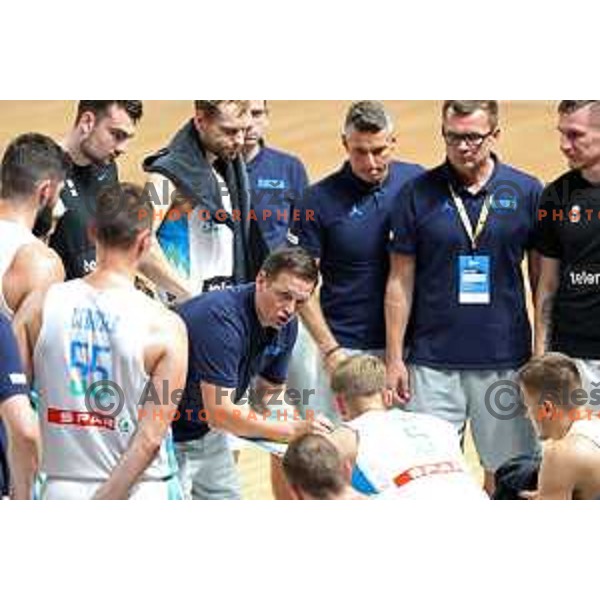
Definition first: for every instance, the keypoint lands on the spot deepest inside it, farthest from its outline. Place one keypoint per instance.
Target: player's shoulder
(159, 316)
(40, 260)
(565, 453)
(427, 421)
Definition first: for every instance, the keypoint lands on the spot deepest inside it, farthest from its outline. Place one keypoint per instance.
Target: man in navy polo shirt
(18, 418)
(278, 182)
(348, 235)
(460, 233)
(277, 179)
(237, 335)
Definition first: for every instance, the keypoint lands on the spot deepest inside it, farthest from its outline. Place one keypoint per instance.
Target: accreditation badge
(474, 286)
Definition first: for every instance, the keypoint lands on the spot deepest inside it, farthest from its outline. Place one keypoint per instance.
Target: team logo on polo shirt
(505, 197)
(273, 349)
(356, 212)
(271, 184)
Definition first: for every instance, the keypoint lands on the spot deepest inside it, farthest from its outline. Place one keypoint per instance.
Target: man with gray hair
(567, 316)
(348, 235)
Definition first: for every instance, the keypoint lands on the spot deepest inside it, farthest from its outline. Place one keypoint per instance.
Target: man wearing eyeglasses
(460, 234)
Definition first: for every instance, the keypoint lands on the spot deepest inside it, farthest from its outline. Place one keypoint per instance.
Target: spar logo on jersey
(75, 418)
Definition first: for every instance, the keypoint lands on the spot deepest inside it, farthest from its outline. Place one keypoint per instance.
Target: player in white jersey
(556, 403)
(109, 364)
(33, 170)
(398, 454)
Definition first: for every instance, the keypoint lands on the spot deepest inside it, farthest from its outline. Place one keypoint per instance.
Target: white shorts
(63, 489)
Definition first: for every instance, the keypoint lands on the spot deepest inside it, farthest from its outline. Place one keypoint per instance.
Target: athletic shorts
(63, 489)
(488, 399)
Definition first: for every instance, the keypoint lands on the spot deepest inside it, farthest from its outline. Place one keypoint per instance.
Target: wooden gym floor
(311, 130)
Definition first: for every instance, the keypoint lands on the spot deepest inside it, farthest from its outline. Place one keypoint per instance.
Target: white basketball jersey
(199, 246)
(211, 244)
(90, 335)
(587, 428)
(410, 455)
(13, 236)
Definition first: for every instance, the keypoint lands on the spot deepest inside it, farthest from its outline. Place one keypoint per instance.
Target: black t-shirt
(569, 230)
(70, 238)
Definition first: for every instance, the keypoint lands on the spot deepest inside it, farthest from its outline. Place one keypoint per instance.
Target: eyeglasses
(471, 139)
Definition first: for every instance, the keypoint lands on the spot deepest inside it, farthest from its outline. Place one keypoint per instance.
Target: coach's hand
(398, 381)
(332, 360)
(319, 424)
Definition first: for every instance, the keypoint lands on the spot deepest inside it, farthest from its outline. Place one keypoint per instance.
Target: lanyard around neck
(464, 217)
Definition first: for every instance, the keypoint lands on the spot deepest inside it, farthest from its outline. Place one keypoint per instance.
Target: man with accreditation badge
(460, 233)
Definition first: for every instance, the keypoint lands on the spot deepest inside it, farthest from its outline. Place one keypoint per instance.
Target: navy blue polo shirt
(12, 377)
(12, 383)
(228, 347)
(277, 182)
(446, 334)
(349, 233)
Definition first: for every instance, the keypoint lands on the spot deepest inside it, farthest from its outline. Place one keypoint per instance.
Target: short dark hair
(134, 108)
(566, 107)
(123, 210)
(28, 160)
(464, 108)
(550, 375)
(313, 464)
(213, 107)
(296, 261)
(367, 116)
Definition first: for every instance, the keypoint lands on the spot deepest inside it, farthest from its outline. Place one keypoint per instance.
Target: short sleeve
(215, 346)
(546, 239)
(308, 230)
(299, 181)
(534, 197)
(403, 235)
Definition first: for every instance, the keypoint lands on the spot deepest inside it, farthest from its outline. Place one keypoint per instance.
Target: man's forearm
(543, 322)
(244, 421)
(314, 320)
(23, 456)
(397, 310)
(135, 461)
